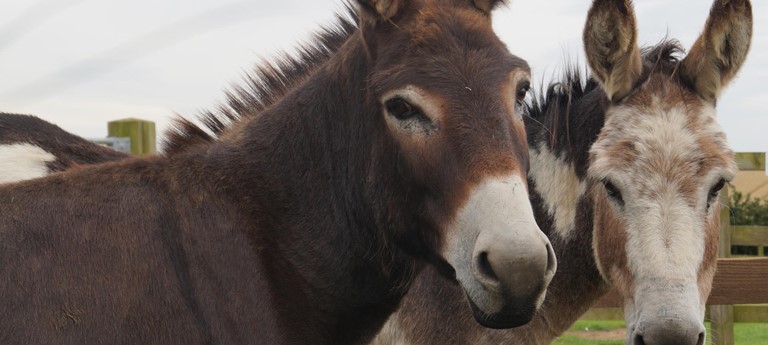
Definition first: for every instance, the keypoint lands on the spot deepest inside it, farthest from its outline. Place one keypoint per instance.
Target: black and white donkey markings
(31, 148)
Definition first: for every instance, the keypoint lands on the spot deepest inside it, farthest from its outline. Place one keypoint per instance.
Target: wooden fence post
(141, 132)
(721, 316)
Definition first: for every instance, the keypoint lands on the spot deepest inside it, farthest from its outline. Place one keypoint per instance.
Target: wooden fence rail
(751, 236)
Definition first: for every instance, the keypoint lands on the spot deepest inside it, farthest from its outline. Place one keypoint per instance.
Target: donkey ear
(379, 10)
(610, 41)
(721, 49)
(487, 5)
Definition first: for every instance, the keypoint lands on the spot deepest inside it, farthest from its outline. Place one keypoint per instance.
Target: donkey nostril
(484, 266)
(638, 340)
(551, 260)
(702, 336)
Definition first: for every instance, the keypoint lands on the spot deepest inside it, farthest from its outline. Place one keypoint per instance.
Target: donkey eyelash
(402, 109)
(522, 91)
(714, 192)
(613, 192)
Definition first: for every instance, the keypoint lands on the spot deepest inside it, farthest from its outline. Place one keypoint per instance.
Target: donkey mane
(557, 97)
(267, 83)
(663, 57)
(560, 94)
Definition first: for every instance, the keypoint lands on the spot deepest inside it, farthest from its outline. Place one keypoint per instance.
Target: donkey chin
(501, 258)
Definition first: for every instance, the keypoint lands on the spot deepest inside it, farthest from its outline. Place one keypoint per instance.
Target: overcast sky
(82, 63)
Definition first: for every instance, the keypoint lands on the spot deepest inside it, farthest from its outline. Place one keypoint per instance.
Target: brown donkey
(624, 177)
(307, 222)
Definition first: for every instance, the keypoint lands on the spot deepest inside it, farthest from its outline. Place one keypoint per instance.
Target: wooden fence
(753, 237)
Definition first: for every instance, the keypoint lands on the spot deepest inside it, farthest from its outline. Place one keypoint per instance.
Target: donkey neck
(559, 140)
(303, 167)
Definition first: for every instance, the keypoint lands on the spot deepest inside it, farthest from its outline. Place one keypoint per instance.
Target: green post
(141, 132)
(721, 316)
(751, 161)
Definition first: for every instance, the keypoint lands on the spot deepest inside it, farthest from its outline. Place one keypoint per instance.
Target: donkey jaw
(502, 260)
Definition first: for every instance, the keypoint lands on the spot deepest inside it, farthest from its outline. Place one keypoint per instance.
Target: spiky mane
(262, 87)
(561, 93)
(551, 105)
(663, 57)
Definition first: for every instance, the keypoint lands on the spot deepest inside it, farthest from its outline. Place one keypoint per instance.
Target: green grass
(589, 325)
(566, 340)
(745, 333)
(750, 333)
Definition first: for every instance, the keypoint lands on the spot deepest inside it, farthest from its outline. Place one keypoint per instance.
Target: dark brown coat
(304, 225)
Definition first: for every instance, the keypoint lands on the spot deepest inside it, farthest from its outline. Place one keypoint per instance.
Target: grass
(744, 333)
(568, 340)
(750, 333)
(590, 325)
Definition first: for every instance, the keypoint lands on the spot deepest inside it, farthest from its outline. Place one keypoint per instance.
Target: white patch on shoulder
(23, 162)
(558, 185)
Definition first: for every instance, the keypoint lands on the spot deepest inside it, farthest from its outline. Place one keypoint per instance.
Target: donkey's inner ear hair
(720, 51)
(610, 43)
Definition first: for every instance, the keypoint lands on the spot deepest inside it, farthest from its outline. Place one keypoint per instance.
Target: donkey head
(658, 165)
(448, 93)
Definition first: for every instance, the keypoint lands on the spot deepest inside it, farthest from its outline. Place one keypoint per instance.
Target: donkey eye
(714, 191)
(523, 91)
(401, 109)
(613, 192)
